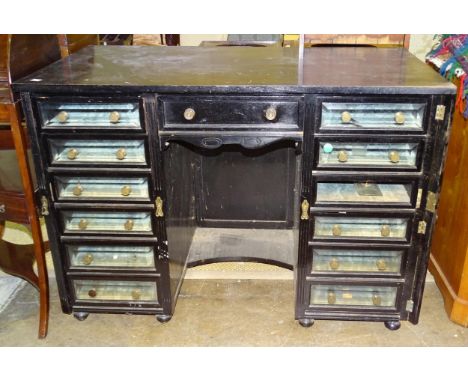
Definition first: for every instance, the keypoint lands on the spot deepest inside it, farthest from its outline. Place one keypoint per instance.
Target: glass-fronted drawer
(353, 295)
(80, 221)
(342, 154)
(107, 290)
(93, 256)
(360, 227)
(350, 115)
(102, 188)
(92, 151)
(364, 193)
(89, 115)
(356, 261)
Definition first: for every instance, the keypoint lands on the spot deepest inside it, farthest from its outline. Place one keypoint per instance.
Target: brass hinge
(431, 201)
(418, 199)
(158, 203)
(305, 210)
(409, 305)
(44, 206)
(422, 227)
(440, 113)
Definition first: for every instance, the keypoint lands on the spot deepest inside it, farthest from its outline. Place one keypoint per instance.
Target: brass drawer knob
(77, 190)
(126, 190)
(270, 114)
(399, 118)
(336, 230)
(334, 264)
(376, 299)
(121, 154)
(346, 117)
(342, 156)
(189, 114)
(331, 297)
(87, 259)
(381, 265)
(129, 225)
(385, 230)
(394, 156)
(72, 154)
(92, 293)
(62, 117)
(136, 294)
(114, 117)
(83, 224)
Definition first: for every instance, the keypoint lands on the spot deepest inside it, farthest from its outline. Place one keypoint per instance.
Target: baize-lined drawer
(110, 290)
(89, 115)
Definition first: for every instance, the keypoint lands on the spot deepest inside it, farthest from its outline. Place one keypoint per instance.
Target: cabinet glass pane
(106, 221)
(91, 151)
(386, 228)
(76, 115)
(110, 256)
(344, 260)
(368, 154)
(102, 188)
(115, 290)
(353, 295)
(379, 193)
(372, 115)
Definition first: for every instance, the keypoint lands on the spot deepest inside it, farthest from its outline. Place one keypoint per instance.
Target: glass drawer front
(107, 290)
(368, 154)
(85, 115)
(102, 188)
(110, 256)
(121, 152)
(106, 221)
(350, 295)
(372, 115)
(362, 227)
(370, 193)
(344, 260)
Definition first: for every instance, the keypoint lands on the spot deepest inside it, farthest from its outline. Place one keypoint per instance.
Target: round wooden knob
(62, 117)
(342, 156)
(399, 118)
(129, 225)
(394, 156)
(385, 230)
(336, 230)
(72, 154)
(136, 294)
(189, 114)
(121, 154)
(87, 259)
(346, 117)
(126, 190)
(381, 265)
(331, 297)
(270, 114)
(77, 190)
(334, 264)
(92, 293)
(83, 224)
(376, 299)
(114, 117)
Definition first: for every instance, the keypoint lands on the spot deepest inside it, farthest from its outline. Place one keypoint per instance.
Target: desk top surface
(238, 70)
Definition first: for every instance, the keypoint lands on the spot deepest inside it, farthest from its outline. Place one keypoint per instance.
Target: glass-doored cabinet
(151, 160)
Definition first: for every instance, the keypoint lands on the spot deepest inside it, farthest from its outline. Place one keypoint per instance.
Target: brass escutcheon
(92, 293)
(189, 114)
(158, 204)
(126, 190)
(336, 230)
(376, 299)
(78, 190)
(129, 225)
(346, 117)
(305, 210)
(385, 230)
(342, 156)
(83, 224)
(270, 114)
(62, 117)
(334, 264)
(114, 117)
(331, 297)
(72, 154)
(88, 259)
(121, 154)
(399, 118)
(381, 265)
(136, 294)
(394, 156)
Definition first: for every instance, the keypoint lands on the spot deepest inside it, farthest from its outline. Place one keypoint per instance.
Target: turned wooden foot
(306, 322)
(81, 316)
(163, 318)
(392, 325)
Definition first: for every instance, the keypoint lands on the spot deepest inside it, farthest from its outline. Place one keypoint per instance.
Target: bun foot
(163, 318)
(81, 316)
(392, 325)
(306, 322)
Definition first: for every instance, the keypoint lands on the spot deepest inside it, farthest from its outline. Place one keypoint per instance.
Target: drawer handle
(346, 117)
(129, 225)
(271, 113)
(189, 114)
(72, 154)
(62, 117)
(83, 224)
(376, 299)
(399, 118)
(334, 264)
(342, 156)
(88, 259)
(381, 265)
(114, 117)
(385, 230)
(92, 293)
(336, 230)
(394, 156)
(331, 297)
(136, 294)
(126, 190)
(121, 154)
(78, 190)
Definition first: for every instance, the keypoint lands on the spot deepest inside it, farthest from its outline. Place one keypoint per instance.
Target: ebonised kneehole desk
(329, 164)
